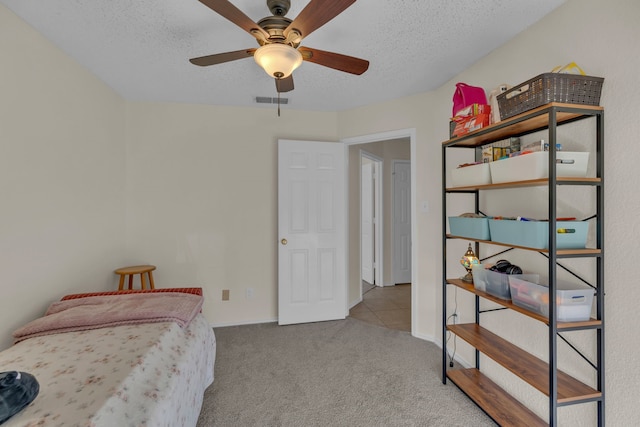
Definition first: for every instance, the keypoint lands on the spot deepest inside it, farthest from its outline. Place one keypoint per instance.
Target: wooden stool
(131, 271)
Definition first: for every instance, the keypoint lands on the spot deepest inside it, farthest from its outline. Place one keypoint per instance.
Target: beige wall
(62, 177)
(201, 199)
(194, 186)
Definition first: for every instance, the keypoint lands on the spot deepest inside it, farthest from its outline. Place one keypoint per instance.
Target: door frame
(378, 214)
(385, 136)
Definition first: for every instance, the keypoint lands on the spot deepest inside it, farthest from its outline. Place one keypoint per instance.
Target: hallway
(388, 306)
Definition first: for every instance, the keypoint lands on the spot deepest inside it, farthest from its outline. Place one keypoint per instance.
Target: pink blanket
(102, 311)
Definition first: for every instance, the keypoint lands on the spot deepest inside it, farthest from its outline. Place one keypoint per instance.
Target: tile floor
(388, 306)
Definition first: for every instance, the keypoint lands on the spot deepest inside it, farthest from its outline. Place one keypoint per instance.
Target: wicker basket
(550, 87)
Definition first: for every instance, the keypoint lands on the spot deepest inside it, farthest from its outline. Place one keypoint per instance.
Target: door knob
(283, 241)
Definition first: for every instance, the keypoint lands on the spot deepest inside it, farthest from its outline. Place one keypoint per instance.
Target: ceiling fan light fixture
(278, 60)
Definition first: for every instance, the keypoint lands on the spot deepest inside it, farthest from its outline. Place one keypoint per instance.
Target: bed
(146, 362)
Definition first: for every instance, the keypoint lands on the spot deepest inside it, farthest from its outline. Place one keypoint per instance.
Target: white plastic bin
(479, 174)
(536, 166)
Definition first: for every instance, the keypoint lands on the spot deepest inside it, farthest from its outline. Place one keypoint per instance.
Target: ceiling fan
(279, 38)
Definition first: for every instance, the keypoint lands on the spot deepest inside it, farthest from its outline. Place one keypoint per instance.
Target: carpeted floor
(338, 373)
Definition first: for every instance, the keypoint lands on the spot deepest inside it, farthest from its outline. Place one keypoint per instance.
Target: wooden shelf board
(498, 404)
(585, 251)
(528, 183)
(526, 366)
(507, 303)
(513, 126)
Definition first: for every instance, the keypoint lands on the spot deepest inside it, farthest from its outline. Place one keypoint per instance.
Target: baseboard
(425, 337)
(457, 357)
(247, 322)
(351, 305)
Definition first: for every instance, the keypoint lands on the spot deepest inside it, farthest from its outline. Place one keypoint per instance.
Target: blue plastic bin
(535, 234)
(472, 228)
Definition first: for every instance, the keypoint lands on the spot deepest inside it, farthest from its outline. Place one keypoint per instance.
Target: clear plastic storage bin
(491, 282)
(573, 302)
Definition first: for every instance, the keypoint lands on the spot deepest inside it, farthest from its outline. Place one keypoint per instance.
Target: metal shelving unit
(560, 388)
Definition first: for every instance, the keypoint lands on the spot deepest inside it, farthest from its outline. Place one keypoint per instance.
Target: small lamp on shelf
(468, 261)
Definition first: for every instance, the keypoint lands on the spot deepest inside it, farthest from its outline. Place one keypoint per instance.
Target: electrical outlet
(250, 293)
(225, 295)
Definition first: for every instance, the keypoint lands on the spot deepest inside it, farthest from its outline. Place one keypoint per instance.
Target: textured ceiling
(141, 48)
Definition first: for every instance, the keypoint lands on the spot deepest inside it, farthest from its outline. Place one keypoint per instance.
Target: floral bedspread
(151, 374)
(111, 310)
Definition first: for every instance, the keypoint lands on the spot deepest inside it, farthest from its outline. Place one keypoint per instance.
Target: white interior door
(312, 232)
(401, 221)
(366, 221)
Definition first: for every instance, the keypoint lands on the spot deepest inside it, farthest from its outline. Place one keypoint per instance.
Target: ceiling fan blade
(220, 58)
(284, 85)
(337, 61)
(316, 14)
(227, 10)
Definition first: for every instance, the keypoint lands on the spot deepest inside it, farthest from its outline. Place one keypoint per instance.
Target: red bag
(466, 95)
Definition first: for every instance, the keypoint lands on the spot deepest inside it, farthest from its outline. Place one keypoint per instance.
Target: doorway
(383, 146)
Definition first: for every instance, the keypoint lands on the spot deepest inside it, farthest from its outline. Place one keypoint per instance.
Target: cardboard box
(474, 110)
(487, 154)
(541, 145)
(469, 124)
(501, 152)
(490, 154)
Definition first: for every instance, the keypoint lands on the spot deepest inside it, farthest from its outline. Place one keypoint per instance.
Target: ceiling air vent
(269, 100)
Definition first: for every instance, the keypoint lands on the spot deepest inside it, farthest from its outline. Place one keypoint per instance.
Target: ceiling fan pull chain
(278, 104)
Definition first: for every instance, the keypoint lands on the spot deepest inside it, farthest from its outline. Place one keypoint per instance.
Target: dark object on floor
(17, 390)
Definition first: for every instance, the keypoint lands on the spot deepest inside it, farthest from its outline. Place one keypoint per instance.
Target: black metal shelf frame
(553, 257)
